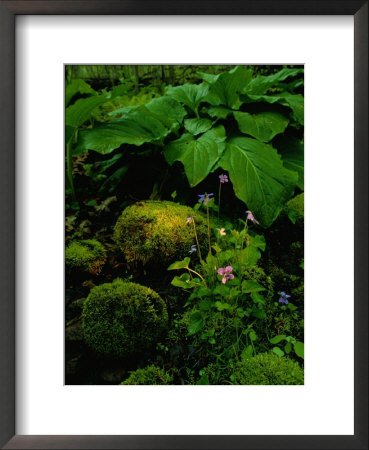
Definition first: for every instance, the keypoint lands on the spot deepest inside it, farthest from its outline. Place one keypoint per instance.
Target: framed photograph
(165, 283)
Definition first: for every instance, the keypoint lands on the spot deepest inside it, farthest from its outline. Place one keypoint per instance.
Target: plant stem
(220, 188)
(208, 216)
(197, 239)
(196, 273)
(244, 234)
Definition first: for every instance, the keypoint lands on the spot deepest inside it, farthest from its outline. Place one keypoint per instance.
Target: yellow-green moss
(122, 318)
(87, 256)
(267, 369)
(157, 232)
(149, 375)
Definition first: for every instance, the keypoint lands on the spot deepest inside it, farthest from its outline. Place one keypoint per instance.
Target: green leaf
(258, 176)
(221, 306)
(196, 323)
(220, 112)
(226, 87)
(180, 264)
(167, 110)
(197, 126)
(258, 313)
(257, 298)
(249, 256)
(197, 156)
(261, 84)
(204, 380)
(293, 101)
(299, 349)
(77, 86)
(277, 339)
(288, 348)
(253, 336)
(111, 183)
(78, 113)
(251, 286)
(292, 151)
(246, 353)
(135, 128)
(278, 351)
(189, 94)
(183, 281)
(257, 241)
(262, 126)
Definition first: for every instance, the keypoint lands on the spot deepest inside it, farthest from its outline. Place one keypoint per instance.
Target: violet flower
(193, 249)
(205, 198)
(283, 298)
(226, 273)
(223, 178)
(251, 217)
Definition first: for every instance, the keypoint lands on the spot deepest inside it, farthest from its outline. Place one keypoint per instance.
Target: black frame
(8, 11)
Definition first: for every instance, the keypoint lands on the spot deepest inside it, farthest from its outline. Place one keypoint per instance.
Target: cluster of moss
(295, 209)
(86, 256)
(267, 369)
(152, 375)
(121, 318)
(157, 232)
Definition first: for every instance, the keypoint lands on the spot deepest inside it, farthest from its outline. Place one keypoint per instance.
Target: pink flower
(223, 178)
(226, 273)
(251, 217)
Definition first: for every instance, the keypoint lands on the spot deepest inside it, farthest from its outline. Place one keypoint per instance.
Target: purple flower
(189, 219)
(226, 273)
(283, 298)
(223, 178)
(251, 217)
(193, 249)
(205, 198)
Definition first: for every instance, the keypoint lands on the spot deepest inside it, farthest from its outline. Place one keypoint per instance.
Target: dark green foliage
(87, 256)
(121, 318)
(268, 368)
(295, 209)
(149, 375)
(292, 284)
(257, 274)
(155, 232)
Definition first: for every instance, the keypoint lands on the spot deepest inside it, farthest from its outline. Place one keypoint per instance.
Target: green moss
(295, 209)
(157, 232)
(149, 375)
(87, 256)
(292, 284)
(267, 369)
(121, 318)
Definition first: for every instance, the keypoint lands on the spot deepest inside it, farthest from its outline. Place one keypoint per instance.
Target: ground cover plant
(184, 225)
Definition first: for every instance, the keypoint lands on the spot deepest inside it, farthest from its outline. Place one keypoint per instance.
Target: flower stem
(208, 216)
(220, 188)
(244, 234)
(197, 239)
(196, 273)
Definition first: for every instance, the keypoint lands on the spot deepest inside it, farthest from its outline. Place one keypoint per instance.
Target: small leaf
(221, 306)
(278, 351)
(196, 323)
(246, 353)
(180, 264)
(251, 286)
(253, 336)
(258, 313)
(288, 348)
(257, 298)
(277, 339)
(203, 380)
(299, 349)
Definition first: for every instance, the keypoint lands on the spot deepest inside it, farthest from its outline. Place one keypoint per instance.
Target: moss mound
(157, 232)
(268, 368)
(149, 375)
(86, 256)
(122, 318)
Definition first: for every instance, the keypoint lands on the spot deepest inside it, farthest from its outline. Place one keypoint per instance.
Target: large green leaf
(293, 101)
(292, 151)
(168, 110)
(78, 113)
(226, 87)
(197, 126)
(189, 94)
(220, 112)
(259, 178)
(77, 86)
(198, 156)
(134, 128)
(261, 84)
(263, 126)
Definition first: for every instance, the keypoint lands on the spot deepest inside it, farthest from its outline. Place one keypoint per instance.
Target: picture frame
(8, 11)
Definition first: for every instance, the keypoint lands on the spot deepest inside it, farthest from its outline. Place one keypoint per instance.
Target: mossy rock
(123, 318)
(150, 375)
(157, 232)
(268, 369)
(85, 256)
(295, 209)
